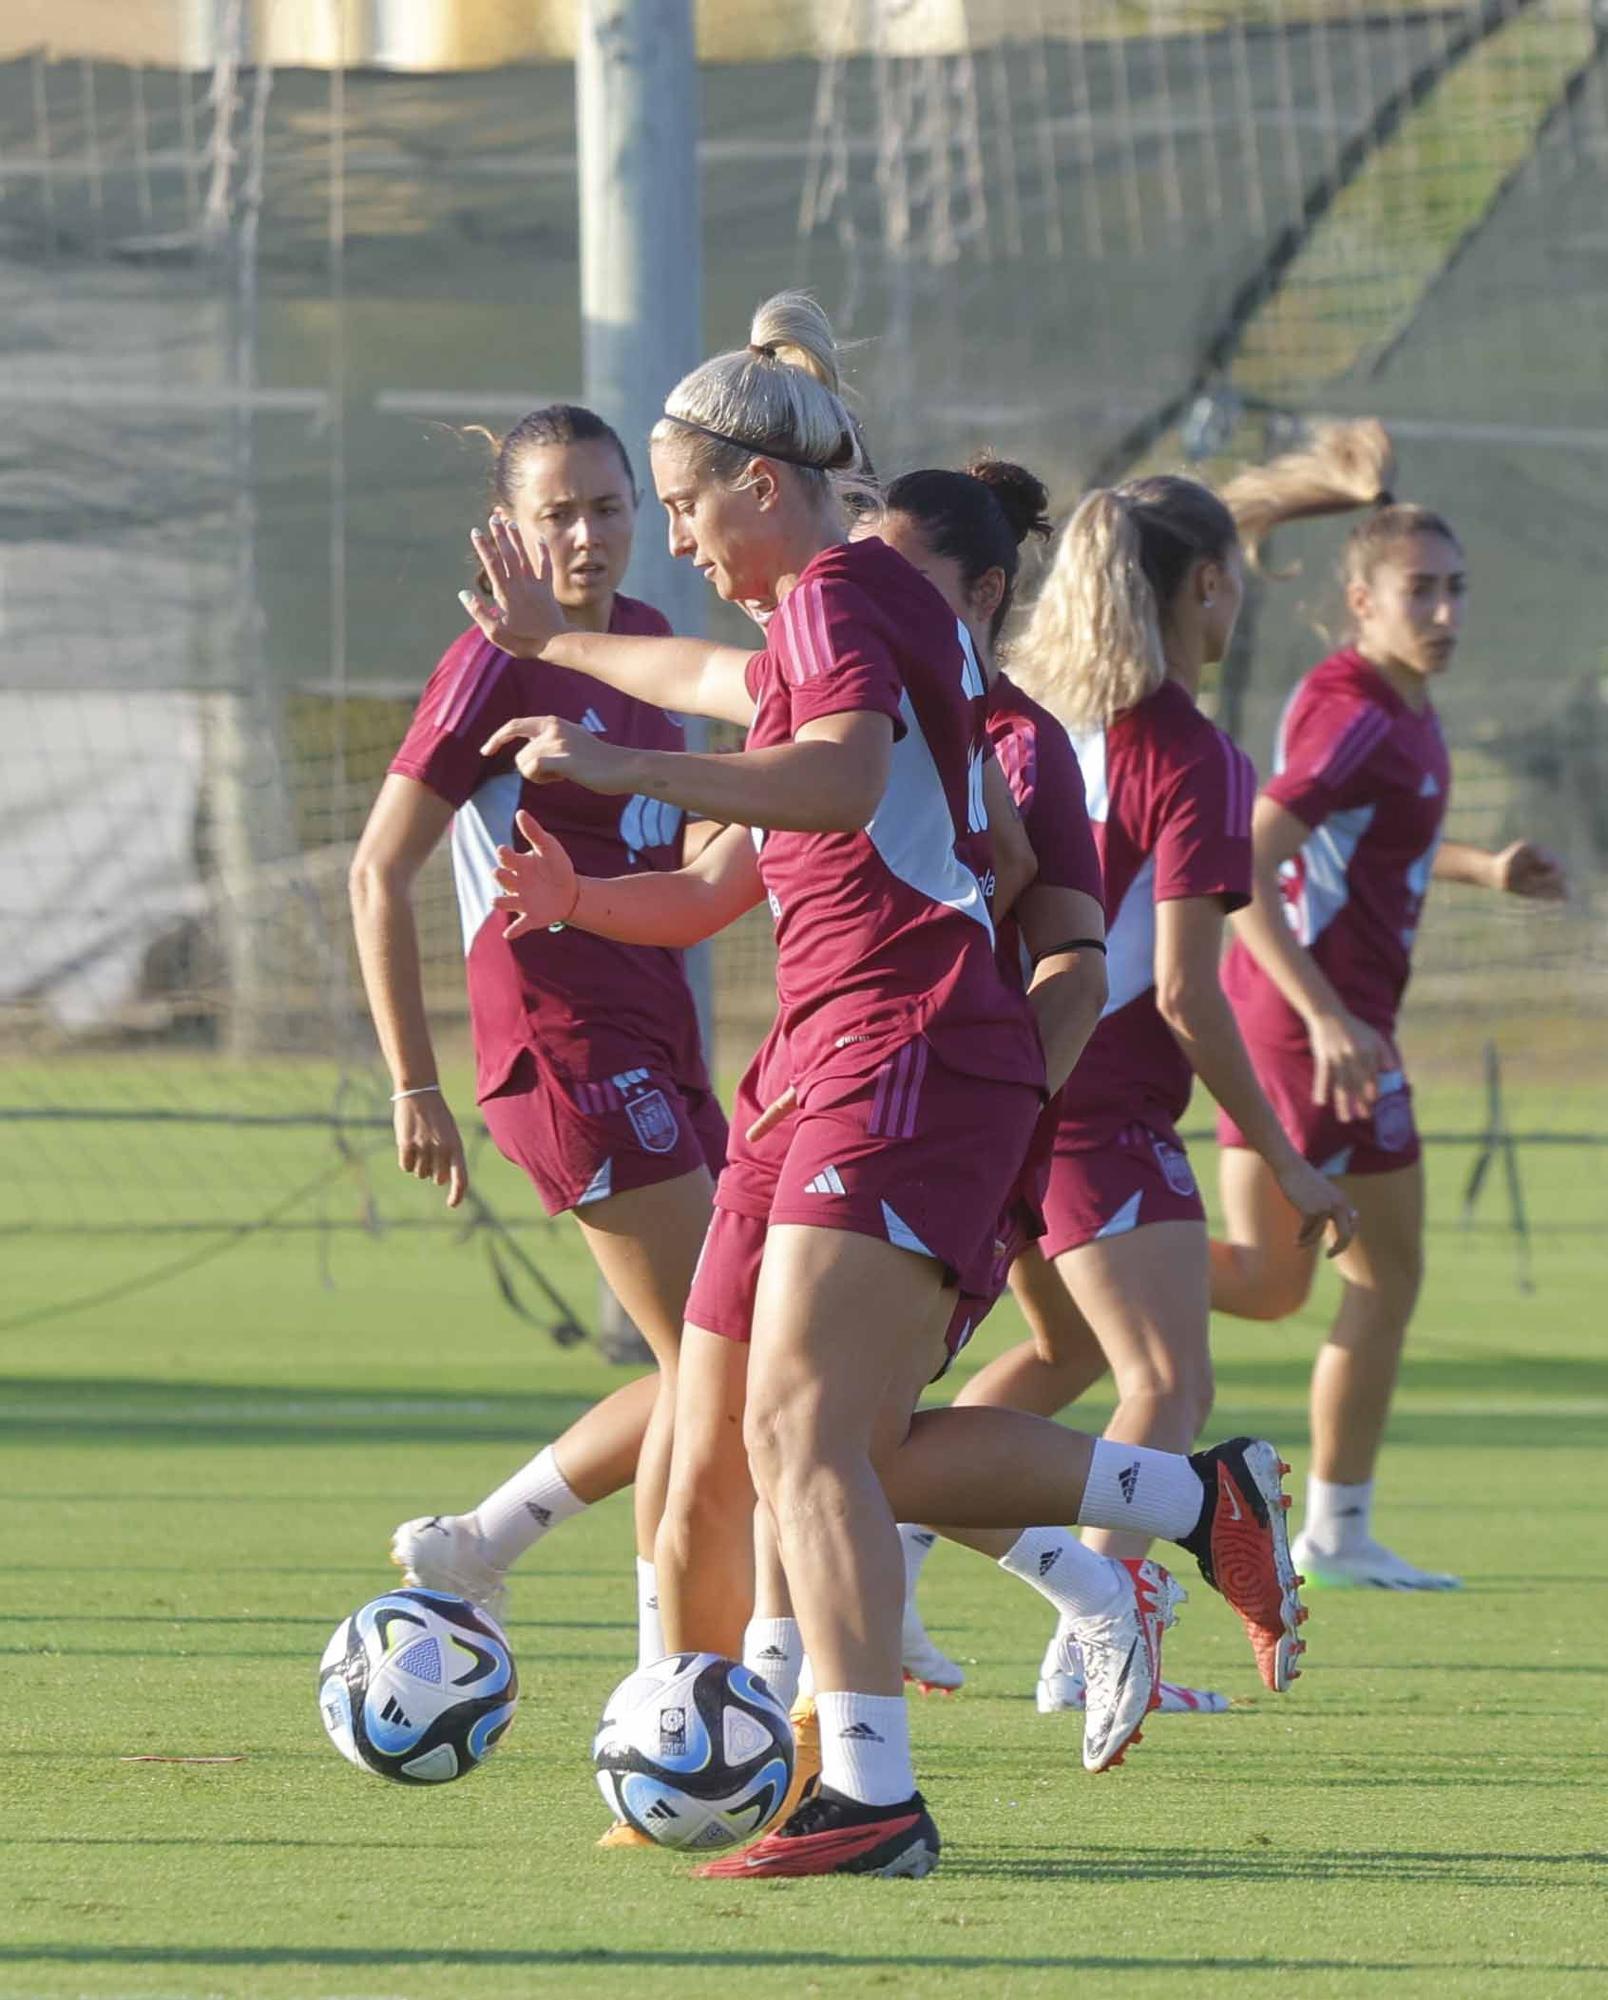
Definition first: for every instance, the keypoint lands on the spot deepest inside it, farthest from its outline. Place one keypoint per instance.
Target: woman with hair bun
(1347, 838)
(589, 1070)
(919, 1073)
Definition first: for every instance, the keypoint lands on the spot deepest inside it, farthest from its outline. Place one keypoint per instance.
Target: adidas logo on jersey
(827, 1181)
(1128, 1479)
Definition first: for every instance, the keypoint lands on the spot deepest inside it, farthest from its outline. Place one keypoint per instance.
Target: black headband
(841, 459)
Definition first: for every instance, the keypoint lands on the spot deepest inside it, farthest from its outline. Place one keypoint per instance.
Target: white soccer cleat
(445, 1552)
(1368, 1566)
(932, 1671)
(1060, 1681)
(1122, 1662)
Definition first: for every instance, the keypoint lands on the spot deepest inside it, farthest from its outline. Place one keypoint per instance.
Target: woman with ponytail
(1347, 837)
(1141, 596)
(841, 1250)
(589, 1070)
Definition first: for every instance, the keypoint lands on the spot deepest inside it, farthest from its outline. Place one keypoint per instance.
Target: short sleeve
(1057, 814)
(828, 640)
(1203, 846)
(1327, 749)
(470, 695)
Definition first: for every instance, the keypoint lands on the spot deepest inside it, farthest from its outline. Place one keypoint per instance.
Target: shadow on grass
(734, 1961)
(1257, 1865)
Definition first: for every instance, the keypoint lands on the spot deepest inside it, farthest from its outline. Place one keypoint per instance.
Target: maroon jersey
(1041, 769)
(593, 1006)
(884, 934)
(1369, 776)
(1170, 798)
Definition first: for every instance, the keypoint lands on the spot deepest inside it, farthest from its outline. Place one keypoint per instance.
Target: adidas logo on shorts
(827, 1181)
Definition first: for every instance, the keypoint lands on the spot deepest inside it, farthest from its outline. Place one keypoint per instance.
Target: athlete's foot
(833, 1835)
(444, 1552)
(1243, 1549)
(624, 1834)
(932, 1671)
(1122, 1661)
(1368, 1566)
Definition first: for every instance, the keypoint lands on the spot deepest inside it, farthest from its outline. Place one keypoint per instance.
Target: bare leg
(705, 1547)
(646, 1243)
(1261, 1271)
(598, 1453)
(1146, 1294)
(1057, 1365)
(1355, 1374)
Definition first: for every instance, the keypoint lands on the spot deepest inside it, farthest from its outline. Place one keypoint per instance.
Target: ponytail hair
(1092, 646)
(779, 397)
(978, 518)
(1340, 468)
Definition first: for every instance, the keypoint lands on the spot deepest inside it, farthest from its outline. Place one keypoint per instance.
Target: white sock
(773, 1648)
(1079, 1583)
(1338, 1517)
(523, 1508)
(865, 1747)
(806, 1680)
(1131, 1486)
(916, 1544)
(650, 1631)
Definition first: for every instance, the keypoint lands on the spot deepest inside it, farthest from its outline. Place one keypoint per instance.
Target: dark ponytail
(978, 518)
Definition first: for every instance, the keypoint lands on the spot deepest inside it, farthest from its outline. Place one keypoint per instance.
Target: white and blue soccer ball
(694, 1751)
(417, 1686)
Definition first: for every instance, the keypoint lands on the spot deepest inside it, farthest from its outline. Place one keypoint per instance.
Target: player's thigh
(1060, 1332)
(1258, 1216)
(1146, 1297)
(645, 1242)
(841, 1321)
(1387, 1252)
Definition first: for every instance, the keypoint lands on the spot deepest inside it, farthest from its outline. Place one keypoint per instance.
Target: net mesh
(248, 310)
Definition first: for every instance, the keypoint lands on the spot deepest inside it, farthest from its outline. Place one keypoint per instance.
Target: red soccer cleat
(832, 1835)
(1243, 1550)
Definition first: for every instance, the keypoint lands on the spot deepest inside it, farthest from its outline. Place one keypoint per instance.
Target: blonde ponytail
(779, 398)
(1092, 646)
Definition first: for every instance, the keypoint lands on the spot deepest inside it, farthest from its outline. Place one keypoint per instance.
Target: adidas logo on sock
(542, 1516)
(924, 1538)
(774, 1653)
(1348, 1513)
(1048, 1560)
(1128, 1479)
(860, 1732)
(827, 1181)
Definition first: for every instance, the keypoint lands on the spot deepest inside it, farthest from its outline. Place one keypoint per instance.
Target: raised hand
(551, 748)
(539, 888)
(1527, 870)
(524, 615)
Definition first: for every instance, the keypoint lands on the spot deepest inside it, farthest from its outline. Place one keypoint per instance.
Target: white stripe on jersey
(1091, 753)
(913, 831)
(1131, 941)
(479, 828)
(976, 804)
(973, 681)
(1325, 860)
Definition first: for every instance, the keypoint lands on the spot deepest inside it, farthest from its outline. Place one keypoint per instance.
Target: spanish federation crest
(653, 1122)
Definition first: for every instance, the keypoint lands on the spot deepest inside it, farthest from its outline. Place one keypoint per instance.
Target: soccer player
(589, 1071)
(918, 1072)
(1141, 596)
(1347, 838)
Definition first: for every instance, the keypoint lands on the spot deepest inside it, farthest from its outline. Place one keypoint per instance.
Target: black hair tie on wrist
(1072, 944)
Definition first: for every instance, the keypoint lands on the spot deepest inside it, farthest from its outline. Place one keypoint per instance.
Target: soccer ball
(417, 1686)
(695, 1751)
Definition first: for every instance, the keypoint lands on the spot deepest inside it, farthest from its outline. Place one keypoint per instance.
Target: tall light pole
(636, 106)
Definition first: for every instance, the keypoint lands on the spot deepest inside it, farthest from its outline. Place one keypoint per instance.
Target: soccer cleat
(445, 1552)
(1122, 1662)
(624, 1834)
(833, 1835)
(1061, 1687)
(932, 1671)
(1243, 1550)
(1369, 1566)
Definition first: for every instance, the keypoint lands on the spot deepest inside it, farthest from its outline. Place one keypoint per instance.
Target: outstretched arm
(526, 620)
(540, 890)
(1520, 869)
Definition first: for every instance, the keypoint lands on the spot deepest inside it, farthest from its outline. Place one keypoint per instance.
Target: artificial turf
(199, 1481)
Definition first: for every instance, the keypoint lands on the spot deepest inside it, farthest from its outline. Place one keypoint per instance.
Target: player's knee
(1276, 1292)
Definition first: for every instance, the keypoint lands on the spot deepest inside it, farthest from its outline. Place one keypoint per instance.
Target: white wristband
(421, 1090)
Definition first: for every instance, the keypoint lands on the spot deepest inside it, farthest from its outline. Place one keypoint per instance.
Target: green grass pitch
(200, 1481)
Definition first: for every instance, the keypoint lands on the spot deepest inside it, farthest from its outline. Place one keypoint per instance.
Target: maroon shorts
(1382, 1143)
(583, 1141)
(911, 1153)
(1142, 1175)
